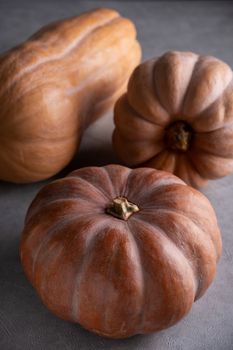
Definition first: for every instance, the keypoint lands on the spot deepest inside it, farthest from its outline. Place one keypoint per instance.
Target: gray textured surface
(204, 27)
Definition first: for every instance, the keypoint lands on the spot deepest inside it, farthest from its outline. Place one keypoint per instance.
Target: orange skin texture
(55, 84)
(119, 277)
(178, 86)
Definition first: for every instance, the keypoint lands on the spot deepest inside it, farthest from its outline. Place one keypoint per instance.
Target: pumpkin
(177, 116)
(120, 251)
(55, 84)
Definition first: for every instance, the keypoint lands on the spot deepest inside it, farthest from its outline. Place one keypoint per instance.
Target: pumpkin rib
(208, 152)
(110, 180)
(194, 267)
(142, 272)
(193, 247)
(43, 198)
(127, 183)
(158, 232)
(198, 179)
(141, 116)
(157, 189)
(155, 90)
(39, 202)
(201, 114)
(160, 159)
(134, 152)
(161, 231)
(71, 48)
(60, 232)
(127, 188)
(168, 196)
(179, 212)
(226, 126)
(206, 122)
(92, 185)
(50, 230)
(51, 205)
(190, 82)
(132, 115)
(86, 261)
(171, 80)
(170, 166)
(108, 169)
(173, 167)
(158, 186)
(66, 184)
(83, 172)
(60, 224)
(217, 166)
(194, 165)
(91, 243)
(209, 142)
(150, 87)
(214, 92)
(188, 171)
(142, 139)
(175, 245)
(48, 259)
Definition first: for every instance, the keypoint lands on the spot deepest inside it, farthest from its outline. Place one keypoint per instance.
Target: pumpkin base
(178, 136)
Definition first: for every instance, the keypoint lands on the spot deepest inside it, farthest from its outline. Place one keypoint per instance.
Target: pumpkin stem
(178, 136)
(121, 208)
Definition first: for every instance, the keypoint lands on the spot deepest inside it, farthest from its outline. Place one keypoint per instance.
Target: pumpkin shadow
(100, 155)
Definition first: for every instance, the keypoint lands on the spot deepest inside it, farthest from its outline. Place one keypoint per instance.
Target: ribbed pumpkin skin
(178, 86)
(55, 84)
(119, 278)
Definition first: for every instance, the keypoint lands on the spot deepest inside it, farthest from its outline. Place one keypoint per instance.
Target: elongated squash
(55, 84)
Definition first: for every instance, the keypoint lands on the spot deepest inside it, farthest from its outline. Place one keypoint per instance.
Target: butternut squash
(55, 84)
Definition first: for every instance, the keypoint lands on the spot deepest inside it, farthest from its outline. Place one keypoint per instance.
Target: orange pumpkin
(120, 251)
(177, 115)
(55, 84)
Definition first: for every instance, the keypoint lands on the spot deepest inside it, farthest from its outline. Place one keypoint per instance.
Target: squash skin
(178, 86)
(55, 84)
(119, 278)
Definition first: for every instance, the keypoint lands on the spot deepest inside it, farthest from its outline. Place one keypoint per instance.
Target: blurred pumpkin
(177, 115)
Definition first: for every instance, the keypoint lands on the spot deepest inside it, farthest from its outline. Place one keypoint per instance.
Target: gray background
(203, 27)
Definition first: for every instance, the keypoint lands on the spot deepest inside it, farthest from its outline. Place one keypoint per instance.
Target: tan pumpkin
(120, 251)
(55, 84)
(177, 115)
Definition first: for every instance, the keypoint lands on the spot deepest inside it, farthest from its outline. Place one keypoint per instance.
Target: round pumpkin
(55, 84)
(120, 251)
(177, 115)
